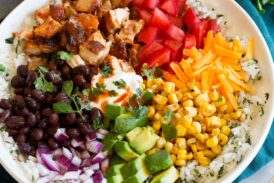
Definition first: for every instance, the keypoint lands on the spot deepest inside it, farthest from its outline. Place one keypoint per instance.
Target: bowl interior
(239, 24)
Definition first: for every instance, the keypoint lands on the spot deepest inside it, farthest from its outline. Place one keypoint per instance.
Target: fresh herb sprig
(106, 70)
(120, 84)
(41, 83)
(261, 3)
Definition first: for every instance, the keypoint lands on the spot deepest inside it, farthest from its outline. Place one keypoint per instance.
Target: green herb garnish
(113, 93)
(169, 116)
(9, 40)
(151, 72)
(120, 84)
(67, 87)
(63, 55)
(62, 107)
(169, 131)
(106, 70)
(2, 68)
(99, 89)
(261, 3)
(41, 83)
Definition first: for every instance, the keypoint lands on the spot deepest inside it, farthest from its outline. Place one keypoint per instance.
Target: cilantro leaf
(67, 87)
(106, 70)
(99, 89)
(42, 84)
(43, 69)
(62, 107)
(169, 131)
(140, 111)
(2, 68)
(120, 84)
(147, 97)
(63, 55)
(169, 115)
(113, 93)
(86, 92)
(9, 40)
(151, 72)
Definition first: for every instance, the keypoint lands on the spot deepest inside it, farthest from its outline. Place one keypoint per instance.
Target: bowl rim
(249, 156)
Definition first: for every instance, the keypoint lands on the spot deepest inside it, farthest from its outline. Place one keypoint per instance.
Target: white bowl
(243, 26)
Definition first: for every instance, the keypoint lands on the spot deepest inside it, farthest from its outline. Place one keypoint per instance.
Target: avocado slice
(170, 175)
(133, 133)
(144, 141)
(114, 170)
(158, 161)
(116, 160)
(115, 179)
(112, 111)
(141, 175)
(123, 149)
(132, 167)
(126, 122)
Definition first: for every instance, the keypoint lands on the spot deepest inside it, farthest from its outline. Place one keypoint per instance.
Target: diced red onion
(98, 177)
(85, 154)
(89, 180)
(57, 153)
(43, 171)
(76, 142)
(76, 161)
(100, 136)
(82, 147)
(105, 165)
(91, 137)
(67, 153)
(65, 164)
(98, 158)
(89, 171)
(95, 166)
(84, 177)
(103, 131)
(48, 161)
(43, 180)
(61, 135)
(74, 175)
(86, 162)
(94, 146)
(40, 151)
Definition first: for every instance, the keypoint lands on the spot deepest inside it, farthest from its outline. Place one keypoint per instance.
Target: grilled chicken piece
(57, 12)
(119, 50)
(40, 46)
(120, 3)
(115, 18)
(42, 14)
(130, 29)
(48, 29)
(133, 55)
(95, 49)
(89, 22)
(69, 10)
(34, 62)
(76, 61)
(106, 6)
(88, 6)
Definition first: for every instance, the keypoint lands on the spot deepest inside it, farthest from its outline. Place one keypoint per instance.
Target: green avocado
(133, 133)
(115, 179)
(144, 141)
(168, 176)
(126, 122)
(114, 170)
(123, 149)
(132, 167)
(112, 111)
(158, 161)
(116, 160)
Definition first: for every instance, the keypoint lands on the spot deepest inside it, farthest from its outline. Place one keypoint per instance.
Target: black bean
(37, 95)
(79, 80)
(38, 116)
(12, 132)
(24, 130)
(32, 76)
(19, 101)
(43, 123)
(5, 115)
(53, 119)
(65, 72)
(82, 69)
(85, 128)
(36, 134)
(62, 97)
(31, 119)
(19, 91)
(17, 82)
(52, 66)
(41, 144)
(61, 63)
(82, 119)
(73, 132)
(27, 91)
(15, 122)
(46, 112)
(53, 144)
(5, 104)
(25, 112)
(54, 76)
(22, 70)
(21, 138)
(70, 118)
(25, 147)
(31, 103)
(48, 99)
(52, 130)
(95, 114)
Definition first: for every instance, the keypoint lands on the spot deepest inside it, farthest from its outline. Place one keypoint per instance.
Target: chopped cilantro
(113, 93)
(67, 87)
(2, 129)
(2, 68)
(9, 40)
(41, 83)
(62, 107)
(151, 72)
(99, 89)
(139, 91)
(120, 84)
(106, 70)
(63, 55)
(169, 131)
(221, 171)
(169, 116)
(43, 69)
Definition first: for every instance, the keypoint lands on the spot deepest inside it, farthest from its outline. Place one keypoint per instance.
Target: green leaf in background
(170, 132)
(67, 87)
(43, 69)
(42, 84)
(2, 68)
(62, 107)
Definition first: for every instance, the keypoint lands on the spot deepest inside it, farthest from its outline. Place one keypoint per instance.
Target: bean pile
(29, 117)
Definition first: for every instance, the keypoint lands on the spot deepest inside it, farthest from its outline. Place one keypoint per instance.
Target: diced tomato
(148, 50)
(151, 4)
(212, 25)
(181, 4)
(190, 41)
(200, 32)
(145, 15)
(138, 2)
(169, 6)
(173, 45)
(190, 19)
(159, 19)
(148, 34)
(175, 21)
(175, 33)
(159, 58)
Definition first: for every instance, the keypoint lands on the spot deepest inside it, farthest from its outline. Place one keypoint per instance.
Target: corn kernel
(216, 149)
(189, 155)
(193, 148)
(173, 157)
(214, 122)
(226, 117)
(226, 130)
(200, 154)
(199, 117)
(200, 146)
(191, 141)
(220, 101)
(223, 139)
(207, 109)
(200, 137)
(202, 98)
(156, 125)
(158, 81)
(197, 126)
(151, 111)
(236, 115)
(223, 122)
(195, 91)
(242, 117)
(149, 83)
(174, 150)
(180, 162)
(182, 156)
(215, 131)
(157, 116)
(191, 111)
(182, 151)
(206, 136)
(169, 87)
(172, 98)
(161, 143)
(173, 107)
(152, 151)
(188, 103)
(209, 154)
(212, 142)
(160, 107)
(177, 116)
(143, 86)
(213, 95)
(222, 108)
(181, 143)
(168, 146)
(204, 161)
(178, 95)
(159, 99)
(186, 121)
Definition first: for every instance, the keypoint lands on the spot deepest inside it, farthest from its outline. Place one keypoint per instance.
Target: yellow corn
(179, 95)
(212, 142)
(226, 130)
(173, 157)
(191, 141)
(173, 107)
(180, 162)
(152, 151)
(242, 117)
(158, 81)
(182, 151)
(200, 146)
(236, 115)
(214, 122)
(189, 155)
(161, 143)
(226, 117)
(143, 86)
(181, 143)
(215, 131)
(197, 126)
(191, 111)
(174, 149)
(220, 101)
(160, 107)
(223, 122)
(186, 121)
(204, 161)
(151, 111)
(182, 156)
(159, 99)
(149, 83)
(156, 125)
(200, 137)
(172, 98)
(157, 116)
(200, 154)
(223, 139)
(202, 98)
(188, 103)
(207, 109)
(222, 108)
(193, 148)
(169, 87)
(168, 146)
(216, 149)
(199, 117)
(209, 154)
(213, 95)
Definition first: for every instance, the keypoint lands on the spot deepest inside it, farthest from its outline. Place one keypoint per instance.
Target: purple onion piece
(94, 146)
(76, 142)
(61, 135)
(85, 155)
(98, 158)
(67, 153)
(65, 164)
(48, 161)
(100, 136)
(76, 161)
(91, 137)
(86, 162)
(98, 177)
